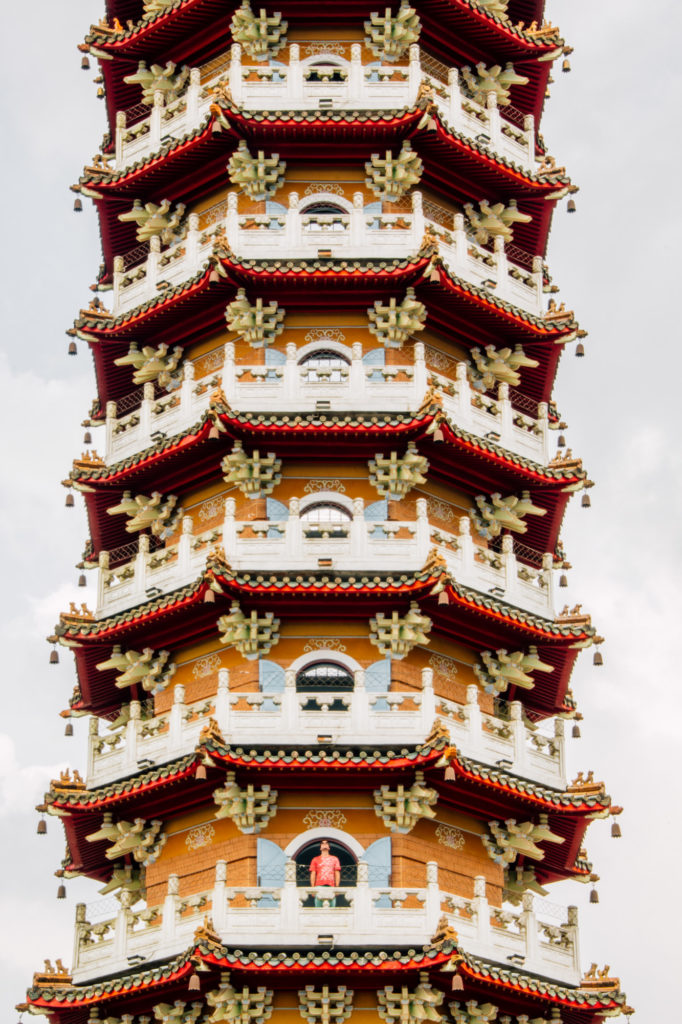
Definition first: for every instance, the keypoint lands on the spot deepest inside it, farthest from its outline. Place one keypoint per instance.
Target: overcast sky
(613, 122)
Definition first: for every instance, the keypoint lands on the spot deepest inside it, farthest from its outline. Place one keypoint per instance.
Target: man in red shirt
(325, 870)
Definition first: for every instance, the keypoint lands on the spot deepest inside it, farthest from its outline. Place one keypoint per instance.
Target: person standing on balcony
(325, 870)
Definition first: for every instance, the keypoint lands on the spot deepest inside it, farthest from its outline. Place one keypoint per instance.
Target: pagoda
(326, 682)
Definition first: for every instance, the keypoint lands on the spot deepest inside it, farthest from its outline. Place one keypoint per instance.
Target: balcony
(352, 233)
(324, 76)
(287, 386)
(362, 544)
(360, 717)
(370, 917)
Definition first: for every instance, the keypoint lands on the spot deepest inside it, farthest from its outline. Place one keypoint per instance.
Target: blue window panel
(378, 680)
(270, 680)
(377, 512)
(375, 357)
(278, 512)
(377, 856)
(270, 861)
(274, 358)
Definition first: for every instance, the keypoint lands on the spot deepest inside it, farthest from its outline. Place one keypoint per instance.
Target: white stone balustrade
(295, 544)
(325, 81)
(400, 717)
(369, 917)
(354, 234)
(290, 388)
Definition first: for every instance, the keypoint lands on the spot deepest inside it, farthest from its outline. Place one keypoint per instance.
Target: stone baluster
(509, 568)
(192, 245)
(357, 381)
(432, 904)
(289, 909)
(291, 381)
(293, 532)
(93, 735)
(461, 243)
(132, 737)
(219, 897)
(170, 911)
(560, 744)
(192, 97)
(232, 222)
(82, 926)
(356, 84)
(176, 720)
(152, 272)
(359, 540)
(546, 578)
(428, 704)
(293, 231)
(528, 924)
(154, 136)
(123, 926)
(455, 105)
(236, 84)
(494, 128)
(423, 531)
(529, 129)
(538, 282)
(361, 895)
(481, 910)
(295, 77)
(222, 704)
(186, 389)
(360, 708)
(543, 424)
(118, 277)
(506, 419)
(291, 714)
(466, 547)
(474, 720)
(120, 132)
(503, 289)
(519, 737)
(414, 75)
(573, 936)
(110, 423)
(229, 381)
(146, 413)
(141, 567)
(101, 577)
(230, 540)
(185, 545)
(419, 375)
(358, 229)
(418, 222)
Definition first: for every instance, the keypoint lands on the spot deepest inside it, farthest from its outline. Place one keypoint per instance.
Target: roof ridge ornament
(401, 808)
(259, 176)
(400, 1006)
(159, 79)
(388, 36)
(150, 669)
(258, 324)
(254, 636)
(262, 36)
(389, 177)
(255, 475)
(484, 80)
(156, 220)
(494, 221)
(499, 672)
(393, 324)
(250, 809)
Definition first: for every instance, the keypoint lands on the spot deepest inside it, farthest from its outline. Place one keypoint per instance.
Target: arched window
(326, 519)
(323, 207)
(327, 679)
(325, 71)
(349, 868)
(326, 366)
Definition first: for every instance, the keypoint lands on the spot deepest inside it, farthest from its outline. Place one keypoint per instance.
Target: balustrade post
(185, 544)
(419, 374)
(428, 703)
(546, 579)
(291, 374)
(538, 276)
(186, 389)
(232, 221)
(140, 578)
(192, 96)
(235, 74)
(474, 720)
(481, 910)
(357, 230)
(152, 267)
(414, 75)
(573, 935)
(110, 426)
(519, 737)
(93, 734)
(219, 897)
(418, 222)
(461, 243)
(229, 381)
(560, 745)
(503, 290)
(359, 538)
(363, 901)
(132, 735)
(176, 718)
(292, 233)
(357, 379)
(432, 904)
(506, 420)
(80, 930)
(290, 706)
(355, 76)
(154, 138)
(123, 927)
(509, 568)
(466, 546)
(192, 244)
(455, 99)
(295, 77)
(222, 704)
(120, 132)
(101, 578)
(170, 911)
(293, 532)
(360, 707)
(230, 529)
(529, 129)
(528, 923)
(289, 909)
(118, 276)
(543, 424)
(423, 530)
(494, 127)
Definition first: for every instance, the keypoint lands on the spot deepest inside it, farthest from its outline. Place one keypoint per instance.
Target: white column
(229, 379)
(360, 708)
(120, 132)
(461, 243)
(185, 545)
(546, 576)
(292, 532)
(455, 106)
(357, 380)
(529, 129)
(236, 86)
(192, 97)
(419, 376)
(176, 721)
(543, 424)
(295, 77)
(356, 82)
(152, 273)
(530, 928)
(132, 734)
(432, 904)
(428, 705)
(219, 897)
(170, 911)
(509, 568)
(506, 420)
(474, 721)
(140, 579)
(118, 276)
(192, 244)
(230, 530)
(186, 390)
(232, 221)
(493, 120)
(363, 907)
(423, 533)
(415, 75)
(358, 229)
(293, 237)
(481, 909)
(359, 542)
(289, 904)
(222, 704)
(560, 744)
(103, 569)
(93, 734)
(503, 290)
(154, 137)
(121, 927)
(290, 706)
(418, 223)
(110, 425)
(518, 737)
